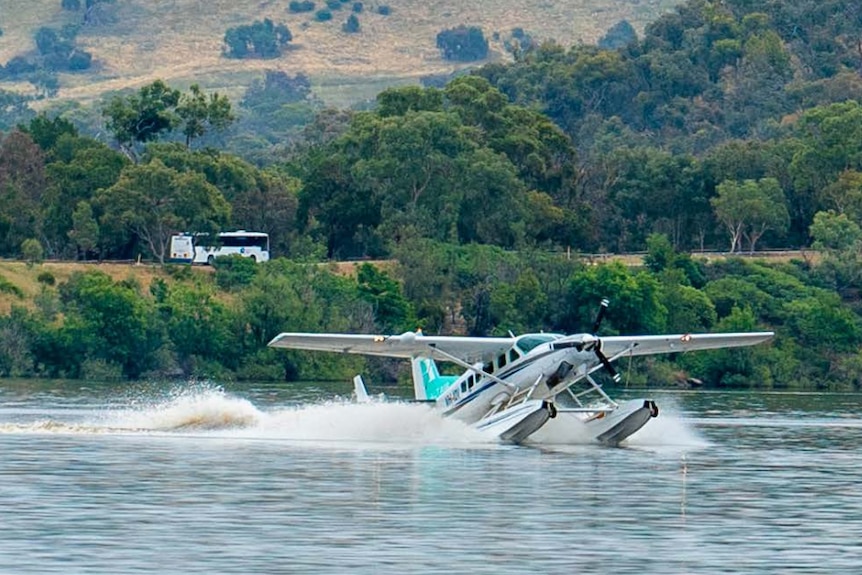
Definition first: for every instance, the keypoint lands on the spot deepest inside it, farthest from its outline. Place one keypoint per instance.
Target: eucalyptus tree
(150, 202)
(22, 185)
(199, 114)
(750, 208)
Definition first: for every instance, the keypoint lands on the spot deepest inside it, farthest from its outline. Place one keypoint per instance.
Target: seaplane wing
(655, 344)
(406, 345)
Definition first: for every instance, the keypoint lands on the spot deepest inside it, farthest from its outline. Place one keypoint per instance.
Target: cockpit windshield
(527, 342)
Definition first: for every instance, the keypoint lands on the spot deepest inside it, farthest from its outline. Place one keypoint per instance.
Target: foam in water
(212, 410)
(207, 409)
(669, 431)
(367, 422)
(189, 409)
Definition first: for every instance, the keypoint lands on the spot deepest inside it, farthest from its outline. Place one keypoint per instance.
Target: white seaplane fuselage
(514, 394)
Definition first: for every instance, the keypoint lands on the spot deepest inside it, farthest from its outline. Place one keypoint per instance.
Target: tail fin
(428, 384)
(360, 391)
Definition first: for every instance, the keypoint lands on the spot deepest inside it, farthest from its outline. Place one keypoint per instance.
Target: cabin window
(527, 342)
(463, 387)
(513, 355)
(501, 361)
(488, 367)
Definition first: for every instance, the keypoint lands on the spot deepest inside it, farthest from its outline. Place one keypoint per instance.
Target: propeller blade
(607, 365)
(598, 323)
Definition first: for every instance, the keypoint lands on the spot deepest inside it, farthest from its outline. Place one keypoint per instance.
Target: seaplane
(512, 386)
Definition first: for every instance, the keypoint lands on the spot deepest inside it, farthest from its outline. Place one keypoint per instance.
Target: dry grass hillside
(25, 278)
(180, 41)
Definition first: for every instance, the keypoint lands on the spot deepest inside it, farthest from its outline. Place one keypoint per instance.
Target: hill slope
(136, 41)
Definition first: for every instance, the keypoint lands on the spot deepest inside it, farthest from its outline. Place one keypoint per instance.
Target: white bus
(201, 249)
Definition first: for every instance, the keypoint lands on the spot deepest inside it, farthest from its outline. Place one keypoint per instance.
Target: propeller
(597, 347)
(602, 310)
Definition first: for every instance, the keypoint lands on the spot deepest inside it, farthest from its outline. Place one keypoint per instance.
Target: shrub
(179, 272)
(619, 35)
(46, 277)
(8, 287)
(80, 60)
(301, 6)
(261, 39)
(98, 369)
(463, 44)
(333, 4)
(323, 15)
(233, 272)
(384, 10)
(351, 26)
(358, 7)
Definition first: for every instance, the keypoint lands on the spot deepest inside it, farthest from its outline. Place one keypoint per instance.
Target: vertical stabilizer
(428, 384)
(360, 391)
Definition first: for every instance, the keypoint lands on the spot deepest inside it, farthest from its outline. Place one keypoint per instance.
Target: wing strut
(593, 369)
(466, 365)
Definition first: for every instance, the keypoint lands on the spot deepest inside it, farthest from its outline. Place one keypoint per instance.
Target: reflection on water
(268, 479)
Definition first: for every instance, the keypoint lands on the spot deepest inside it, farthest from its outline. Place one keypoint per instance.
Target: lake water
(278, 479)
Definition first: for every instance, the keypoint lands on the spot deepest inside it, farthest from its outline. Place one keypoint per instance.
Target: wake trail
(207, 410)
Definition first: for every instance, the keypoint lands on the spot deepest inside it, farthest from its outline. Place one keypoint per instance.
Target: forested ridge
(728, 126)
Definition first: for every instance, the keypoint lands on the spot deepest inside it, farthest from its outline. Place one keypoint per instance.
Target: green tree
(16, 334)
(750, 208)
(200, 328)
(45, 131)
(844, 195)
(79, 167)
(110, 321)
(733, 368)
(688, 309)
(14, 108)
(261, 39)
(463, 44)
(351, 25)
(153, 202)
(839, 239)
(520, 306)
(392, 312)
(200, 113)
(829, 143)
(619, 35)
(636, 305)
(22, 184)
(144, 116)
(32, 251)
(85, 229)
